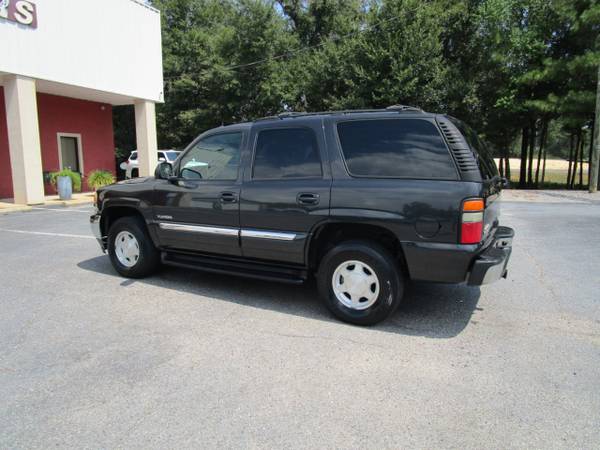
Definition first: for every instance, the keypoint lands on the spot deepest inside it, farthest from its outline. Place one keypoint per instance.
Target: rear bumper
(96, 231)
(454, 263)
(491, 264)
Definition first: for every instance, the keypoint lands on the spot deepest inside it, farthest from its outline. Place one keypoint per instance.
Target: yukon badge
(164, 217)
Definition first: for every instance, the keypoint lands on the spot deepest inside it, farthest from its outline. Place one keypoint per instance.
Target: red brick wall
(93, 121)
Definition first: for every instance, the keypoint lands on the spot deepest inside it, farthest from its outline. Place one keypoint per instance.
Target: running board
(231, 266)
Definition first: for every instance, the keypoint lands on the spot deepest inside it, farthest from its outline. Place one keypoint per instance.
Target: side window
(287, 153)
(394, 148)
(213, 158)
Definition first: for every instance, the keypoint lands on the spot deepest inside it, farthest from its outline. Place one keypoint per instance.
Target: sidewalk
(83, 198)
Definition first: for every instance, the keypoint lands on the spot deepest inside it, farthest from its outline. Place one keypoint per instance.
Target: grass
(556, 174)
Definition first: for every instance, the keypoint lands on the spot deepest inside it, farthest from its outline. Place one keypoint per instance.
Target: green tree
(207, 46)
(390, 53)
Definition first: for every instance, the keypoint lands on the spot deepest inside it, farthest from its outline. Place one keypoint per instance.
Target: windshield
(486, 162)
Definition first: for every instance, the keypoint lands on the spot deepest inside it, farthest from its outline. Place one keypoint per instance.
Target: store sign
(20, 11)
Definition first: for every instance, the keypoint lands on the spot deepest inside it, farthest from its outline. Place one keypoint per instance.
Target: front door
(286, 192)
(200, 210)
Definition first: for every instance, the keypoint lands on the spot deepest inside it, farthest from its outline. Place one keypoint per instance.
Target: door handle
(307, 198)
(229, 197)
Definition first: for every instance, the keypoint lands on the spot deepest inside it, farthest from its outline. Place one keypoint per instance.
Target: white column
(24, 139)
(145, 129)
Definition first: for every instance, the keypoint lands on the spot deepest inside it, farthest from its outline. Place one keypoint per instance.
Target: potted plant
(98, 178)
(65, 181)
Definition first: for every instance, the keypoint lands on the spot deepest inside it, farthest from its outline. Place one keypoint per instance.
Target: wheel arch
(330, 233)
(111, 213)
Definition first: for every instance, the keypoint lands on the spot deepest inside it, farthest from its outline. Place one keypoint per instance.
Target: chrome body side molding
(223, 231)
(274, 235)
(199, 229)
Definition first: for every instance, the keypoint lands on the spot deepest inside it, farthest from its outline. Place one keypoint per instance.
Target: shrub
(74, 176)
(98, 178)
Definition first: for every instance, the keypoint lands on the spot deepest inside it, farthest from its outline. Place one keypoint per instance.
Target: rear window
(395, 148)
(485, 160)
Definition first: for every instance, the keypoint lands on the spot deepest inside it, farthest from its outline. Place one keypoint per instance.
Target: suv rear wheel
(130, 248)
(360, 282)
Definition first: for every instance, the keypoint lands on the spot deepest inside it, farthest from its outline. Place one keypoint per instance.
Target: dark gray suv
(363, 200)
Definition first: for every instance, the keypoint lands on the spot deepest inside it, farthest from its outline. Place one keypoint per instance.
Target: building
(63, 65)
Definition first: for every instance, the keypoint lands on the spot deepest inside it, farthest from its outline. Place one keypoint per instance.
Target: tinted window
(287, 153)
(213, 158)
(133, 156)
(486, 162)
(395, 148)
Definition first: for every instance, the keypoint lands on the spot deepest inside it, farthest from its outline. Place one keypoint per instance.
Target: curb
(67, 203)
(11, 208)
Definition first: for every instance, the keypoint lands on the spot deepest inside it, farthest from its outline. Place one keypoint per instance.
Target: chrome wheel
(127, 249)
(355, 285)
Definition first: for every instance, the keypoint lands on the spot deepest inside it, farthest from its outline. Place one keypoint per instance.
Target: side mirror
(505, 182)
(164, 171)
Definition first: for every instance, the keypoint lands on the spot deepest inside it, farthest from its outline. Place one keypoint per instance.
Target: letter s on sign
(24, 12)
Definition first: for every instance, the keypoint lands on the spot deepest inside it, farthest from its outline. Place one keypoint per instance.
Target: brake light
(471, 224)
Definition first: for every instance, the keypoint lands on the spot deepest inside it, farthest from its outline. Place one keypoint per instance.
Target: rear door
(286, 190)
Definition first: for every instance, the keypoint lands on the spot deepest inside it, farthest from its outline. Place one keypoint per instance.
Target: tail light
(471, 224)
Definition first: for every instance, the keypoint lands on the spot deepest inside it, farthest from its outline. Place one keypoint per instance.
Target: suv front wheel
(360, 282)
(130, 248)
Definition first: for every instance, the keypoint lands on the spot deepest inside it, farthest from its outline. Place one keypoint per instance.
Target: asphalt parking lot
(188, 359)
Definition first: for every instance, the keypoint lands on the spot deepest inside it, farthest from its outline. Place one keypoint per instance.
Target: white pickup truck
(131, 165)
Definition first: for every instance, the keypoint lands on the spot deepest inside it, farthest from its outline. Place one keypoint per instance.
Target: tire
(345, 271)
(144, 258)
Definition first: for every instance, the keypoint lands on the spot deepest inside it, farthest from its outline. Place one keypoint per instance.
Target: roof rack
(403, 108)
(292, 114)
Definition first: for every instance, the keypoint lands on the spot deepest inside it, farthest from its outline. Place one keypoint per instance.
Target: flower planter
(64, 185)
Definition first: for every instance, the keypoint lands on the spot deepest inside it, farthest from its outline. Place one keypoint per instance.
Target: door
(286, 192)
(199, 211)
(69, 153)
